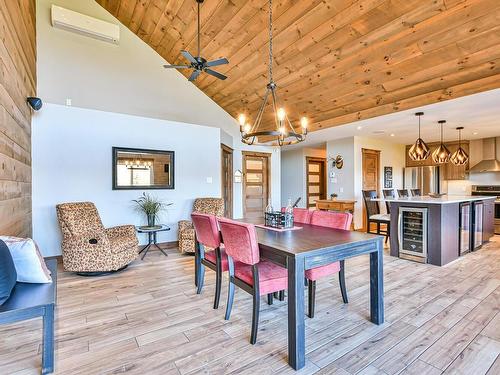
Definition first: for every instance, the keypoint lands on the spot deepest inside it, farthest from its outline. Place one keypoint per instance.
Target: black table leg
(296, 325)
(48, 340)
(377, 284)
(146, 249)
(155, 243)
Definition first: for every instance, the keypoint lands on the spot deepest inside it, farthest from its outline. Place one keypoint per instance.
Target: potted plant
(151, 206)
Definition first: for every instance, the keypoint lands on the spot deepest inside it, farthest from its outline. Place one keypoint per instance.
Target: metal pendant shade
(284, 132)
(459, 157)
(419, 151)
(441, 155)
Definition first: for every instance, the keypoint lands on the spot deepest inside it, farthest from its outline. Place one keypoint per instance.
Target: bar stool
(373, 214)
(402, 193)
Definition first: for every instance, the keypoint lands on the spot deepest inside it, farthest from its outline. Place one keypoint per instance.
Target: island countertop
(445, 199)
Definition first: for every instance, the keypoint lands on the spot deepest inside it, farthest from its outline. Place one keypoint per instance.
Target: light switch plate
(210, 180)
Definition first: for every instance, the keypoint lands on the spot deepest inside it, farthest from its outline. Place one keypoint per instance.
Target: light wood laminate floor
(149, 320)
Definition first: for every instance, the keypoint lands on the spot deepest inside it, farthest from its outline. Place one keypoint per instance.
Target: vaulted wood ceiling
(336, 61)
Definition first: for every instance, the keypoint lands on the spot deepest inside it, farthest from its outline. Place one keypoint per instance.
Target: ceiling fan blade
(217, 62)
(189, 57)
(215, 74)
(177, 66)
(194, 75)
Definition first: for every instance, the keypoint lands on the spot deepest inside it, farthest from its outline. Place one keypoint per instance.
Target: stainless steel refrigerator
(427, 179)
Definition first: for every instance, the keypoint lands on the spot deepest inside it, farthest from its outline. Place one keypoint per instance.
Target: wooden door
(227, 179)
(256, 167)
(370, 171)
(315, 180)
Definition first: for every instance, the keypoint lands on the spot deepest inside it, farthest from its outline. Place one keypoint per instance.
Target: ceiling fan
(198, 63)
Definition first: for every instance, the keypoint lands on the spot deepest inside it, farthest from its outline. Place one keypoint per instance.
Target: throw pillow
(30, 266)
(8, 275)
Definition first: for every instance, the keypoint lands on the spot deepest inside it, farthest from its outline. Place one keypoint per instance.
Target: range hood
(489, 162)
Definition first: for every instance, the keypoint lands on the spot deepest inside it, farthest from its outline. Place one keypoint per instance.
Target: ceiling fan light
(441, 155)
(419, 151)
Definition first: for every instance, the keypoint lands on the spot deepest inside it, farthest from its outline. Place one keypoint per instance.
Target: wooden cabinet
(337, 205)
(450, 171)
(456, 172)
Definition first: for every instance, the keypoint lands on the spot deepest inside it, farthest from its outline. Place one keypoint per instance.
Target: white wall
(72, 162)
(293, 177)
(348, 181)
(127, 78)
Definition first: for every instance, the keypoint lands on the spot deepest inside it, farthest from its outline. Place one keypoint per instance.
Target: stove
(492, 191)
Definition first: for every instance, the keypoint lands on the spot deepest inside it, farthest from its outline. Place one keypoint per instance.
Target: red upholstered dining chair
(246, 269)
(336, 220)
(209, 252)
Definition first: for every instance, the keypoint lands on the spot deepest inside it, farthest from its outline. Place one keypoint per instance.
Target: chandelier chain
(271, 41)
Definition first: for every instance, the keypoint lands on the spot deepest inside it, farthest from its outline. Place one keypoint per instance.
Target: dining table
(308, 246)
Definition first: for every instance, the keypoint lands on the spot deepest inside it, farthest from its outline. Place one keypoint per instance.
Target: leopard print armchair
(186, 237)
(89, 247)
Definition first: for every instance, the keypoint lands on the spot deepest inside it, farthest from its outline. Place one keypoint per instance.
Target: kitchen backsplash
(460, 187)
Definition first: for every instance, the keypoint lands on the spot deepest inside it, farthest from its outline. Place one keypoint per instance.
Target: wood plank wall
(17, 82)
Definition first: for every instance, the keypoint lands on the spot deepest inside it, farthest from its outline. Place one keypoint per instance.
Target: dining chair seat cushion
(323, 271)
(384, 217)
(211, 257)
(272, 278)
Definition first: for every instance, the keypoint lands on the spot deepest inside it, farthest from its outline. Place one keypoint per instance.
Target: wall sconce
(238, 176)
(337, 162)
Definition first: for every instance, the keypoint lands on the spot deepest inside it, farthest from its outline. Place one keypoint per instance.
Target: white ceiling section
(479, 114)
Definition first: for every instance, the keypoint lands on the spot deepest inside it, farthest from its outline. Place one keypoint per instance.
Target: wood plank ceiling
(336, 61)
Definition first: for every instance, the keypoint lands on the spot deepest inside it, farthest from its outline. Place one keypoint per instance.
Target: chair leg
(343, 289)
(218, 284)
(281, 296)
(312, 297)
(270, 297)
(201, 277)
(230, 299)
(255, 318)
(386, 238)
(378, 228)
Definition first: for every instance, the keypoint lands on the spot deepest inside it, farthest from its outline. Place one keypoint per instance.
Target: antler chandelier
(284, 133)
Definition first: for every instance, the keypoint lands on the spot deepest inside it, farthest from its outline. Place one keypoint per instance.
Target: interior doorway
(370, 173)
(256, 185)
(315, 180)
(227, 179)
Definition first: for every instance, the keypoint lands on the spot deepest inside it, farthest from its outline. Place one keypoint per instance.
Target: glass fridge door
(413, 231)
(465, 227)
(478, 225)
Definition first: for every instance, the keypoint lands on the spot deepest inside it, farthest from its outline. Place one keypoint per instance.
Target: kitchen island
(439, 230)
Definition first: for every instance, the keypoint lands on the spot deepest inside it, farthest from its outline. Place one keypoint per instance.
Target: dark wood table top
(310, 240)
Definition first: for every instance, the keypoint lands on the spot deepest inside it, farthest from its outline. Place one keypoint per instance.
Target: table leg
(296, 325)
(377, 284)
(146, 249)
(48, 340)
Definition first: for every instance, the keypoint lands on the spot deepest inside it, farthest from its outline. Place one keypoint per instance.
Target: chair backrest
(240, 241)
(372, 207)
(79, 219)
(415, 193)
(206, 229)
(210, 206)
(388, 193)
(332, 219)
(402, 193)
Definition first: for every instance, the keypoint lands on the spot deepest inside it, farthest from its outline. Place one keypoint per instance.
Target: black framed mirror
(139, 169)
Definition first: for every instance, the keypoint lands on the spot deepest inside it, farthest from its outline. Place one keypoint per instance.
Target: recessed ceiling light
(475, 133)
(359, 127)
(392, 134)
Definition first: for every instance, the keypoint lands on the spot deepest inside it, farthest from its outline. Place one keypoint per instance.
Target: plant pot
(151, 220)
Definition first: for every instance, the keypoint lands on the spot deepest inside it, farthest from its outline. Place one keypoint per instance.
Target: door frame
(323, 180)
(267, 155)
(377, 153)
(227, 150)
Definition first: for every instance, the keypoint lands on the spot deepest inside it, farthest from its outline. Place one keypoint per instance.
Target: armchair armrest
(121, 231)
(185, 224)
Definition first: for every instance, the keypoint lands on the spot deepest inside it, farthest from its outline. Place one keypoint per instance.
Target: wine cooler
(413, 232)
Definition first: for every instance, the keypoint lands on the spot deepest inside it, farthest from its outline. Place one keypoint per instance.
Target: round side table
(152, 241)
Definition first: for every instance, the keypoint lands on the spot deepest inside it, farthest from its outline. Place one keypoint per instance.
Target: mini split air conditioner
(82, 24)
